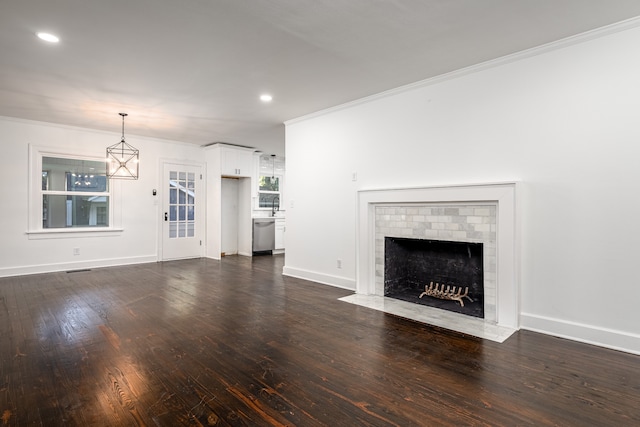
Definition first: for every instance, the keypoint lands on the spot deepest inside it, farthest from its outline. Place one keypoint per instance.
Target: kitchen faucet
(275, 208)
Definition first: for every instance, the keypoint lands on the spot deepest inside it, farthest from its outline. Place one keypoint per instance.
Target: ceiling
(193, 70)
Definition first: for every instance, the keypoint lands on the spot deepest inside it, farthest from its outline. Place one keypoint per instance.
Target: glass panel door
(181, 230)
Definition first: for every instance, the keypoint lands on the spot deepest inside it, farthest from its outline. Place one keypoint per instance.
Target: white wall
(134, 200)
(564, 121)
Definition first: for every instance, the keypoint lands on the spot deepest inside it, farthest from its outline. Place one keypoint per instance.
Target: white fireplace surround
(502, 195)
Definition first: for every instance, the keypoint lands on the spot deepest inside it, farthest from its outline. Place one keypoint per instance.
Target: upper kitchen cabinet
(236, 161)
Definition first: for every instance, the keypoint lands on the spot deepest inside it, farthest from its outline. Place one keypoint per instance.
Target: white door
(182, 213)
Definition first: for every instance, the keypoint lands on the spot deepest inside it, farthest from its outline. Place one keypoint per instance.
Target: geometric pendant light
(122, 159)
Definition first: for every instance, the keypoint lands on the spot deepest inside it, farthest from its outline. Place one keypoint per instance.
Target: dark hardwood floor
(234, 343)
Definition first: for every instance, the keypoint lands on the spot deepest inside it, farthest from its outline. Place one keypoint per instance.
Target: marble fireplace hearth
(481, 213)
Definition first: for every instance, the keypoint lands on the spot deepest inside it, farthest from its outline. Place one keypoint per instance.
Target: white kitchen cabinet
(280, 229)
(225, 161)
(236, 161)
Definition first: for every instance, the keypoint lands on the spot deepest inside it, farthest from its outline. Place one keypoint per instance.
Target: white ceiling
(192, 70)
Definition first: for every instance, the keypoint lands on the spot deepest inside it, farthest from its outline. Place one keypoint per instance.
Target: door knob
(166, 216)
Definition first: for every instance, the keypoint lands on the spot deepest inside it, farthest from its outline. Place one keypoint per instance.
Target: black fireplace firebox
(412, 264)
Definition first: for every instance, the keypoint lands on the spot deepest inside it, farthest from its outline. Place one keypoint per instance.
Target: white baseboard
(78, 265)
(325, 279)
(603, 337)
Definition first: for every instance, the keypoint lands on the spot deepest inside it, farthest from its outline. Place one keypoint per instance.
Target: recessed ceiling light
(48, 37)
(266, 98)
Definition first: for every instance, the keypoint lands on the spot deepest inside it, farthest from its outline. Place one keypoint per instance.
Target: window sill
(63, 233)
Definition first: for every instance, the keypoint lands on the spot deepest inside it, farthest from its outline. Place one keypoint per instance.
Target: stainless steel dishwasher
(264, 235)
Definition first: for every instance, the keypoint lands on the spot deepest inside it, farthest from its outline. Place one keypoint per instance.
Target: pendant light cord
(273, 165)
(122, 140)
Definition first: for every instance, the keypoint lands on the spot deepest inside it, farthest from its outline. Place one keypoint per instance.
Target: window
(70, 195)
(269, 192)
(271, 186)
(75, 193)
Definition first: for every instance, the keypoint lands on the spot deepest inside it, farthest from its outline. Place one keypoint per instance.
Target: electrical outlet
(76, 251)
(339, 263)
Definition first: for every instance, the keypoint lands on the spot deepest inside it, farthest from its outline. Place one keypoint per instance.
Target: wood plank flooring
(234, 343)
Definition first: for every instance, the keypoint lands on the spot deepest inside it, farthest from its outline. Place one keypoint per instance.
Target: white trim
(325, 279)
(63, 233)
(590, 334)
(66, 266)
(493, 63)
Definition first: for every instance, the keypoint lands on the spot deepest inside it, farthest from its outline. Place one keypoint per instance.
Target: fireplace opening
(410, 265)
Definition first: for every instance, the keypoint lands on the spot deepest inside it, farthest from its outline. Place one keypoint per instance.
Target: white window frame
(277, 193)
(35, 229)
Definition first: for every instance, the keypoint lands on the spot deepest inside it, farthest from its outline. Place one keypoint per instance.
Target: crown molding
(507, 59)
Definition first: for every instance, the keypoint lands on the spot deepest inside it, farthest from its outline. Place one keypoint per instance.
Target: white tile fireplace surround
(478, 213)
